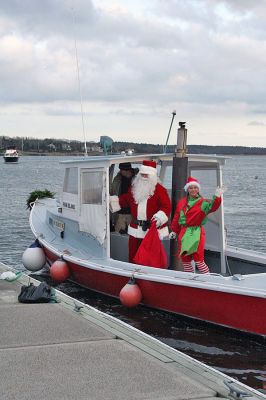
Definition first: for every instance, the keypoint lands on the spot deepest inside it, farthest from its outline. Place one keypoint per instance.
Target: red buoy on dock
(59, 271)
(130, 295)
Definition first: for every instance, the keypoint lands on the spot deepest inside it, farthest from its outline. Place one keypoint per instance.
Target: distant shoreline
(69, 154)
(73, 149)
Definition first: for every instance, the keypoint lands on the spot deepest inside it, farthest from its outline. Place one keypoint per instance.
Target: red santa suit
(157, 206)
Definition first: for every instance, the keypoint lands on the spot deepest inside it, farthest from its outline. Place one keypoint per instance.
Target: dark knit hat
(126, 166)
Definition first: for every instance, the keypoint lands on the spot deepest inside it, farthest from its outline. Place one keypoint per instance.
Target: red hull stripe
(228, 309)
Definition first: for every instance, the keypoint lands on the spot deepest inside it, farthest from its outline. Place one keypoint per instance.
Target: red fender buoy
(130, 295)
(59, 271)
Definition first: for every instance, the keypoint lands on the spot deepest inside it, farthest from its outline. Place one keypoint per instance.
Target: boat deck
(51, 351)
(78, 247)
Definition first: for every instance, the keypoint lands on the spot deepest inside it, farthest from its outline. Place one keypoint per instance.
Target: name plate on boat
(69, 205)
(57, 224)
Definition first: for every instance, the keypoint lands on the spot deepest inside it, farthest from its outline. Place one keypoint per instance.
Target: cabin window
(167, 178)
(71, 180)
(92, 187)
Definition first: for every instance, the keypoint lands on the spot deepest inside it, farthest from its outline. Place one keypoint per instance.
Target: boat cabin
(11, 155)
(85, 200)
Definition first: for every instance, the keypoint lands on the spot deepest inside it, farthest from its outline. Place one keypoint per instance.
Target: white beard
(143, 188)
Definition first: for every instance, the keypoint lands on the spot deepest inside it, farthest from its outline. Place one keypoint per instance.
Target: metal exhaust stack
(179, 178)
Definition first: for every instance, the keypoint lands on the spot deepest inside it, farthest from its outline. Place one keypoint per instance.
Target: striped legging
(201, 265)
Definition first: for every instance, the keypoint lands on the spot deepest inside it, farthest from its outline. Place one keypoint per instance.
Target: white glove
(172, 235)
(220, 190)
(114, 204)
(157, 220)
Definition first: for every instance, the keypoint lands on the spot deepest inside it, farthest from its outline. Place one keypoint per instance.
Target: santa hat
(191, 182)
(148, 167)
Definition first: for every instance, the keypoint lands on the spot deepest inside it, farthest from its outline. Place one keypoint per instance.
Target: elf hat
(148, 167)
(191, 182)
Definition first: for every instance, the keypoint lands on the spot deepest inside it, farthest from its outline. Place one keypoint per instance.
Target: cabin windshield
(92, 187)
(93, 212)
(71, 180)
(70, 193)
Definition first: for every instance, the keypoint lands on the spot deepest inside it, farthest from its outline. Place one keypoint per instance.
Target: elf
(190, 216)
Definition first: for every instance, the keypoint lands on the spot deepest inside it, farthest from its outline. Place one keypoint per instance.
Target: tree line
(192, 149)
(52, 145)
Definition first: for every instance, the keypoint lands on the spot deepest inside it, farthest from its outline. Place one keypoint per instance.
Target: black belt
(145, 224)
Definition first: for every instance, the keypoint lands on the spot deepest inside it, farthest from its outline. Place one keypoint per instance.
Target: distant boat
(11, 156)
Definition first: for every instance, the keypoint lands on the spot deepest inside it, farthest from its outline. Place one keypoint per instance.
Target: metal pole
(173, 116)
(179, 178)
(80, 92)
(222, 227)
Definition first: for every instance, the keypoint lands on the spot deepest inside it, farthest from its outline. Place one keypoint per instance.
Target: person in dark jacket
(120, 185)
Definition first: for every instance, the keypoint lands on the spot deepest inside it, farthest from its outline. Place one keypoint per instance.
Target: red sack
(151, 251)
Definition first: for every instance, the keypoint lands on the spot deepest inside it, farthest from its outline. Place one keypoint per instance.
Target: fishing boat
(11, 156)
(76, 229)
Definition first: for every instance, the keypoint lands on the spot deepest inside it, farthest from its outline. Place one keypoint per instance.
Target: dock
(70, 350)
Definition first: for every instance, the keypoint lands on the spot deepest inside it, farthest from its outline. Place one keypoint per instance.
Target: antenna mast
(173, 116)
(80, 91)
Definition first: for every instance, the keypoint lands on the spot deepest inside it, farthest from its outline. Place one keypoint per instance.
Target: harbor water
(240, 356)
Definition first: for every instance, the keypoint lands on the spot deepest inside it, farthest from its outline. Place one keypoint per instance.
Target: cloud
(256, 123)
(204, 58)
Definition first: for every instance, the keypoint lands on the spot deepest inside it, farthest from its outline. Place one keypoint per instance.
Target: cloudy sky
(138, 61)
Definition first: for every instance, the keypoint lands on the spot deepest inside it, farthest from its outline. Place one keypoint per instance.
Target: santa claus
(148, 201)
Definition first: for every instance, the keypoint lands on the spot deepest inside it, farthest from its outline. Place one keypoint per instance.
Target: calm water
(239, 356)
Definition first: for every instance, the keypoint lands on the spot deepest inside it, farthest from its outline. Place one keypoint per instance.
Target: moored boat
(77, 229)
(11, 156)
